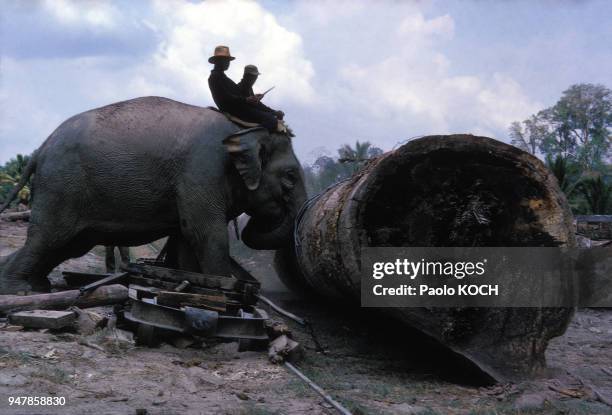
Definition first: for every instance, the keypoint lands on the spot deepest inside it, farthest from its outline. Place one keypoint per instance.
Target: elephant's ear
(244, 150)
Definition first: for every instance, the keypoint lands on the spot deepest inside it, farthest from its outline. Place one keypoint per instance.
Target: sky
(378, 71)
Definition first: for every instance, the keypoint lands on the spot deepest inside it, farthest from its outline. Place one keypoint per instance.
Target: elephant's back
(147, 124)
(154, 118)
(143, 143)
(147, 127)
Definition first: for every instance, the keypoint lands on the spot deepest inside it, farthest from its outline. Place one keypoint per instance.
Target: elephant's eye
(289, 178)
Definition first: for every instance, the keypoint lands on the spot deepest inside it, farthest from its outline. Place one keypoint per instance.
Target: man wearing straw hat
(228, 97)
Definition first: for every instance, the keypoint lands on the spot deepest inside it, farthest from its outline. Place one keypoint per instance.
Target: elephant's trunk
(258, 235)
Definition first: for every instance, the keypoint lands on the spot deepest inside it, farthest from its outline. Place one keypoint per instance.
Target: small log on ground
(15, 216)
(105, 295)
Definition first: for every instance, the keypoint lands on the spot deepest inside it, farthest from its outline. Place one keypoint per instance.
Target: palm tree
(597, 194)
(11, 173)
(354, 155)
(566, 172)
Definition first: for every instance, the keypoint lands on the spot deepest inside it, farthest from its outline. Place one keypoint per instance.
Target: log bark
(15, 216)
(418, 195)
(105, 295)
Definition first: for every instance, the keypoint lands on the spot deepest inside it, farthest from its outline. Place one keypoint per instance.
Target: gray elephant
(135, 171)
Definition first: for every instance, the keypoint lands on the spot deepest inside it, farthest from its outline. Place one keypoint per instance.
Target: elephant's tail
(30, 168)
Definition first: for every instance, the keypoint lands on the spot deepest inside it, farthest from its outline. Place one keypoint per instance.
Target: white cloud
(96, 13)
(417, 25)
(403, 80)
(192, 30)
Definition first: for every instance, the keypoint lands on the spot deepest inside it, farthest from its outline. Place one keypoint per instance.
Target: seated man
(228, 97)
(251, 73)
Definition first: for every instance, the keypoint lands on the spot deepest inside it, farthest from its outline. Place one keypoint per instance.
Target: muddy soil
(369, 366)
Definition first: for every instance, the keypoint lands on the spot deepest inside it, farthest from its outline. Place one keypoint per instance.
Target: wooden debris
(87, 321)
(178, 276)
(182, 286)
(178, 300)
(572, 393)
(15, 216)
(112, 278)
(43, 319)
(105, 295)
(283, 348)
(276, 329)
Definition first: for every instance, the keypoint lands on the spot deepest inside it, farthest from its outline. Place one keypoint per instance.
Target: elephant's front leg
(210, 244)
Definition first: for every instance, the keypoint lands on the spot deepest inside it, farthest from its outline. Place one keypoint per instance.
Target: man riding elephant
(229, 98)
(136, 171)
(251, 73)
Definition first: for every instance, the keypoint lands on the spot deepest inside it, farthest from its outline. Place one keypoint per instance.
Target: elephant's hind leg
(27, 269)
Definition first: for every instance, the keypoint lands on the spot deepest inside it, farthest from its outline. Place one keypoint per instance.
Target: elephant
(138, 170)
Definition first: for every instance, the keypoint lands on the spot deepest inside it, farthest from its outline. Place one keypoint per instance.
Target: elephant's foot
(14, 286)
(13, 281)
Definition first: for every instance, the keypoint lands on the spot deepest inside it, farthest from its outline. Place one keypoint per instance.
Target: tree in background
(580, 124)
(326, 170)
(597, 194)
(574, 136)
(529, 135)
(10, 174)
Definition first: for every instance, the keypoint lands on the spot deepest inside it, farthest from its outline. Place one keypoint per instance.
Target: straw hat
(221, 52)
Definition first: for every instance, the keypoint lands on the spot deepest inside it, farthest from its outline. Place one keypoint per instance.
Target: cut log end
(463, 191)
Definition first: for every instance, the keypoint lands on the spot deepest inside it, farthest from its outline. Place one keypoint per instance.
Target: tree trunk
(416, 196)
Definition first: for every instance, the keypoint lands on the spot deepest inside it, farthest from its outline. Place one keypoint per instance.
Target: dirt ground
(367, 366)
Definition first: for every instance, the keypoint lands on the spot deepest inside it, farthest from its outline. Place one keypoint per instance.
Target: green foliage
(326, 170)
(10, 174)
(597, 194)
(567, 173)
(575, 137)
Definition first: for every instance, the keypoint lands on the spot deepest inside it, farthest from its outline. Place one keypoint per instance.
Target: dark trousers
(251, 113)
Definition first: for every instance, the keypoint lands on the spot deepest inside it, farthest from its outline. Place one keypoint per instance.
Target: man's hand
(254, 98)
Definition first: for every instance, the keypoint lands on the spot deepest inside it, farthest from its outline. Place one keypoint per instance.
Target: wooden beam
(43, 319)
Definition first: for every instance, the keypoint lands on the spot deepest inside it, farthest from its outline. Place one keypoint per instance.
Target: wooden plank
(105, 295)
(178, 276)
(43, 319)
(169, 286)
(176, 299)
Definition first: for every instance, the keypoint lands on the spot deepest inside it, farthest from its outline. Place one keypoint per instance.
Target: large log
(105, 295)
(417, 196)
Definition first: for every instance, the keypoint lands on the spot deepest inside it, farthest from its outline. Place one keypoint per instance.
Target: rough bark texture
(417, 195)
(13, 216)
(105, 295)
